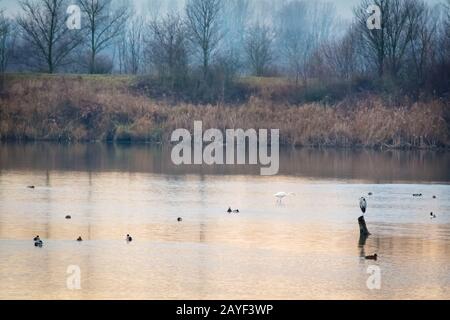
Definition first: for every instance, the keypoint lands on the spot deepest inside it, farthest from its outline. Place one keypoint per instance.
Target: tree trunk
(92, 64)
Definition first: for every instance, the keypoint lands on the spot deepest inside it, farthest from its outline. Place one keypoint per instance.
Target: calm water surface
(306, 248)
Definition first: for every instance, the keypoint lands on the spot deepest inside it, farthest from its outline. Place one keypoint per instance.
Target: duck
(417, 195)
(180, 219)
(129, 238)
(432, 215)
(370, 193)
(38, 243)
(36, 238)
(434, 197)
(31, 187)
(374, 257)
(68, 217)
(236, 211)
(229, 210)
(79, 239)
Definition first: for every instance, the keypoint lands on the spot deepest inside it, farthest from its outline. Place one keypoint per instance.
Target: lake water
(306, 248)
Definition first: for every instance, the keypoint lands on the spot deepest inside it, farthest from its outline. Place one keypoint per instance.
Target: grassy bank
(107, 108)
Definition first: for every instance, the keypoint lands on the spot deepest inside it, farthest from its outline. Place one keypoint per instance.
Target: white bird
(363, 204)
(281, 195)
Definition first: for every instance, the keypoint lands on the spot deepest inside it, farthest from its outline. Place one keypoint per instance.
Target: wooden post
(362, 227)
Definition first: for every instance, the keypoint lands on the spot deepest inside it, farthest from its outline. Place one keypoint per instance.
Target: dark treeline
(198, 52)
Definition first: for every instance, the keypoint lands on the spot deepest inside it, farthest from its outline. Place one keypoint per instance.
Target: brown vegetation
(86, 108)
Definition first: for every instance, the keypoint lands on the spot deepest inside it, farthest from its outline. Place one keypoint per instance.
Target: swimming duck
(434, 197)
(370, 193)
(374, 257)
(129, 238)
(30, 187)
(417, 195)
(68, 217)
(36, 238)
(180, 219)
(432, 215)
(229, 210)
(236, 211)
(79, 239)
(38, 243)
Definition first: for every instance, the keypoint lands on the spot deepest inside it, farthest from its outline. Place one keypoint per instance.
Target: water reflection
(368, 165)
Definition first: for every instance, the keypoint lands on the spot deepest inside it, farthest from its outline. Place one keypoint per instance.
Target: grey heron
(363, 204)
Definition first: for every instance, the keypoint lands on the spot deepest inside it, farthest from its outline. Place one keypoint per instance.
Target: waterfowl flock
(280, 196)
(363, 207)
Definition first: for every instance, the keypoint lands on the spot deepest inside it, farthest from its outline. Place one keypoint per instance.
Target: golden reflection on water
(307, 248)
(368, 165)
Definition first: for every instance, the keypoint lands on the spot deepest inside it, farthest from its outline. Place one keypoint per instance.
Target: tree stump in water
(362, 240)
(362, 227)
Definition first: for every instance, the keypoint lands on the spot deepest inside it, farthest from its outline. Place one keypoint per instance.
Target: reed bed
(97, 109)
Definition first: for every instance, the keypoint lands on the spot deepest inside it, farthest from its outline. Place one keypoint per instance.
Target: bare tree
(446, 33)
(203, 17)
(43, 28)
(3, 24)
(153, 8)
(236, 14)
(342, 56)
(258, 47)
(301, 28)
(423, 41)
(387, 46)
(131, 46)
(167, 48)
(5, 31)
(104, 24)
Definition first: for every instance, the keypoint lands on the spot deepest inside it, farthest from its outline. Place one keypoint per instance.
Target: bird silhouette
(363, 204)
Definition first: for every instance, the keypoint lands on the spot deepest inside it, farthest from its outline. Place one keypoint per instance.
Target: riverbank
(112, 108)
